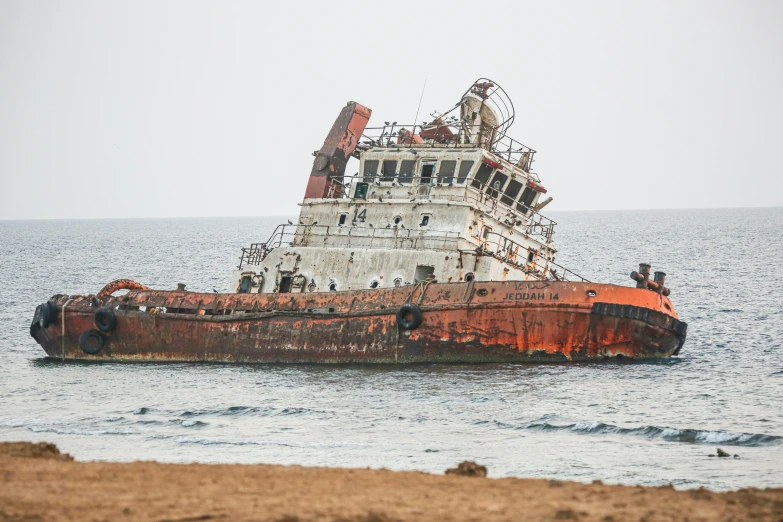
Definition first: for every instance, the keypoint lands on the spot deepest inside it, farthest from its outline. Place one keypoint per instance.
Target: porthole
(374, 284)
(397, 282)
(397, 220)
(332, 287)
(482, 292)
(591, 293)
(469, 277)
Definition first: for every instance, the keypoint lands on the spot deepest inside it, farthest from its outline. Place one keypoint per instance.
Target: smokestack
(340, 143)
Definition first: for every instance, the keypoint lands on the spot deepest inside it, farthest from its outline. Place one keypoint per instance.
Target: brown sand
(37, 483)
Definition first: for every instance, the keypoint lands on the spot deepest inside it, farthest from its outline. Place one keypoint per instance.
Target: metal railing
(490, 244)
(487, 198)
(336, 236)
(448, 134)
(531, 261)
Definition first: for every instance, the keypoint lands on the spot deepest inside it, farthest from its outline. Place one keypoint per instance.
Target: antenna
(419, 107)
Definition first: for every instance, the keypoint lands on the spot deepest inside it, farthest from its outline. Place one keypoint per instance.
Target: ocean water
(631, 423)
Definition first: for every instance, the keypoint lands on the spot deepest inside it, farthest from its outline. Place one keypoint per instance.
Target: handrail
(533, 262)
(492, 244)
(350, 237)
(447, 134)
(536, 223)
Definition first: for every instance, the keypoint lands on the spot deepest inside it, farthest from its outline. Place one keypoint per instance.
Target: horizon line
(289, 215)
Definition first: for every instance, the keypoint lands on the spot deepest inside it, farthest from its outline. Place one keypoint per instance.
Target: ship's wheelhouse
(446, 173)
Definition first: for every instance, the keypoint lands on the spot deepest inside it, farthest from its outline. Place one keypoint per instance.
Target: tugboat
(434, 251)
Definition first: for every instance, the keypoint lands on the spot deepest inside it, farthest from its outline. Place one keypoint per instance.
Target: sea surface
(630, 423)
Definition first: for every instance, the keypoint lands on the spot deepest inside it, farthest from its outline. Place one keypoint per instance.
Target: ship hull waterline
(526, 322)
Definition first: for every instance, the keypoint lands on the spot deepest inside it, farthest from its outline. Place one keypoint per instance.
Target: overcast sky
(194, 108)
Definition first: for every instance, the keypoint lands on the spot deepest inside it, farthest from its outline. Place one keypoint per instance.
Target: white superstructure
(440, 201)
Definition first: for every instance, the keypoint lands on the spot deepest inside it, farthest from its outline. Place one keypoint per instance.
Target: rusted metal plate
(462, 322)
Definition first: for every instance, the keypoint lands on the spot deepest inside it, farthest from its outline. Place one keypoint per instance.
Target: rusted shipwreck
(434, 251)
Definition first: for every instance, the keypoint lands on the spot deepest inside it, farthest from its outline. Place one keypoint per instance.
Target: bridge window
(511, 193)
(388, 170)
(464, 170)
(427, 170)
(407, 168)
(446, 173)
(496, 185)
(482, 176)
(342, 219)
(370, 170)
(528, 195)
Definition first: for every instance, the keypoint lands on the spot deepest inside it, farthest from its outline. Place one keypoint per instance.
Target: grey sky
(193, 108)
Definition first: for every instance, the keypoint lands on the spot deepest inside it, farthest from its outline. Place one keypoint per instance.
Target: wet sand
(37, 483)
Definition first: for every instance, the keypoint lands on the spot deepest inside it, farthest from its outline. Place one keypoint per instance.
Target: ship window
(389, 170)
(285, 284)
(423, 272)
(498, 180)
(446, 173)
(332, 287)
(374, 284)
(397, 220)
(342, 219)
(469, 277)
(427, 170)
(407, 168)
(528, 195)
(370, 170)
(425, 220)
(464, 170)
(531, 255)
(481, 176)
(361, 191)
(511, 193)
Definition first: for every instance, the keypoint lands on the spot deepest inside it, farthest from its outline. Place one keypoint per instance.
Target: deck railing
(531, 261)
(490, 244)
(336, 236)
(448, 134)
(471, 191)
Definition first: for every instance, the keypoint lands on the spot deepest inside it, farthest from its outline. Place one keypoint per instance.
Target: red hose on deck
(120, 284)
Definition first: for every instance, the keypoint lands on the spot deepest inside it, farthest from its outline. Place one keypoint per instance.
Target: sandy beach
(37, 482)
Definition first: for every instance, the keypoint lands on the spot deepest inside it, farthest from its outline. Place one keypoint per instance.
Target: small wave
(192, 424)
(289, 444)
(232, 410)
(238, 411)
(669, 434)
(76, 431)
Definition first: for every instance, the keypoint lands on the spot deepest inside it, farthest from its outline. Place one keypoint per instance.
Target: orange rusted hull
(462, 322)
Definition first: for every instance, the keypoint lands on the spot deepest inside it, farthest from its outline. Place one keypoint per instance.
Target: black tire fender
(105, 319)
(91, 342)
(47, 315)
(409, 316)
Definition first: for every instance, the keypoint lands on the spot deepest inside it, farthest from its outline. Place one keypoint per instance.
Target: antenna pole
(418, 108)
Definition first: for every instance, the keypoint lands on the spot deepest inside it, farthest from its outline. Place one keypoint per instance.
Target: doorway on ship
(286, 282)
